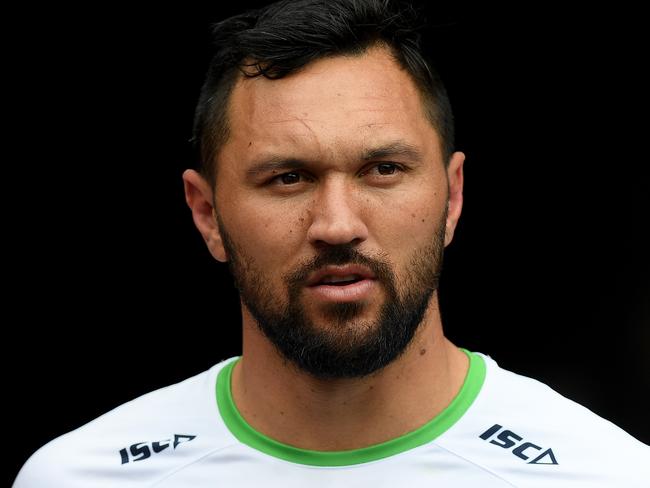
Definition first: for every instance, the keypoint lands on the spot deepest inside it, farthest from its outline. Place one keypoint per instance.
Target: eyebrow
(397, 148)
(275, 163)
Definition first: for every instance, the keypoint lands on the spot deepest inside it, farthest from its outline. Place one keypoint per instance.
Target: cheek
(266, 233)
(410, 221)
(408, 231)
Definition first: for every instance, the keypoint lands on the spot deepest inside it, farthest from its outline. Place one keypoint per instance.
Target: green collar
(426, 433)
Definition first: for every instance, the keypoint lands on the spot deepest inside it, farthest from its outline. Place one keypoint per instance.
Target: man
(330, 186)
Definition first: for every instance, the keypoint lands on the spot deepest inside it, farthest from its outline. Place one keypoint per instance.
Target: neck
(295, 408)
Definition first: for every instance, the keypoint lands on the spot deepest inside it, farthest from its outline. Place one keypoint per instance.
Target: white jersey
(501, 430)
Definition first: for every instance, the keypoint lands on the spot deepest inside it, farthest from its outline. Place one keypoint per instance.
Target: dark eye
(386, 168)
(289, 178)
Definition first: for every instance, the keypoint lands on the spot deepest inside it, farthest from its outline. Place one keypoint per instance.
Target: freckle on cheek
(422, 220)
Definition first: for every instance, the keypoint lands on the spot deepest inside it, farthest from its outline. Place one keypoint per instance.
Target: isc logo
(141, 450)
(526, 450)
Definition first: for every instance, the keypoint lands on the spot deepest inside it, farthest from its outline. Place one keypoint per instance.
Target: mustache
(337, 256)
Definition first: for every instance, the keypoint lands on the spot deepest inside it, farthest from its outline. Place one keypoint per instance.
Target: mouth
(340, 275)
(331, 280)
(342, 283)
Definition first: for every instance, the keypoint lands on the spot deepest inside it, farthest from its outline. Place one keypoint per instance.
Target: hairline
(216, 125)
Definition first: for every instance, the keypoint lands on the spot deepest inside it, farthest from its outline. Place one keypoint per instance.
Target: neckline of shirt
(246, 434)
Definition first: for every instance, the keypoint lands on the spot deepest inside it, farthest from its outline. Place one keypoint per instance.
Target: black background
(110, 292)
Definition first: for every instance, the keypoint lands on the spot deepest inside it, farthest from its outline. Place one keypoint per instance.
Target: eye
(288, 178)
(383, 169)
(386, 168)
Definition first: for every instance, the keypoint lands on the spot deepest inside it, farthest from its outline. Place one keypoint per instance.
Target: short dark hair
(279, 39)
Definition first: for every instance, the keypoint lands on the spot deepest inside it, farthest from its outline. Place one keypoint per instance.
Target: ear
(199, 197)
(455, 205)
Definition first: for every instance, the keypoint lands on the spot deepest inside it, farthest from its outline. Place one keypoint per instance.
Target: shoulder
(136, 442)
(523, 430)
(539, 407)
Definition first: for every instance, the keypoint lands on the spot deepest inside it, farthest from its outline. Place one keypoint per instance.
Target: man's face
(333, 174)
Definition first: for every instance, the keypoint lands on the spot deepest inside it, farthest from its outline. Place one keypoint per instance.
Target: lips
(340, 280)
(340, 275)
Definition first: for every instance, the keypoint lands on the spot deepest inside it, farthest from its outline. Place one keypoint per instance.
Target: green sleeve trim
(424, 434)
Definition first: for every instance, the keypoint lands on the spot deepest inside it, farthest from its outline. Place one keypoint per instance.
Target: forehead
(331, 106)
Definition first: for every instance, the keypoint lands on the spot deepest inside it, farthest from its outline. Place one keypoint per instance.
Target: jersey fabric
(501, 430)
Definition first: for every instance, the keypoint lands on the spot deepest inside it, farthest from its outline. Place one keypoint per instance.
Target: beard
(348, 346)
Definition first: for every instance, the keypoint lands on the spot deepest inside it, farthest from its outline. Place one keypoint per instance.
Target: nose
(336, 216)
